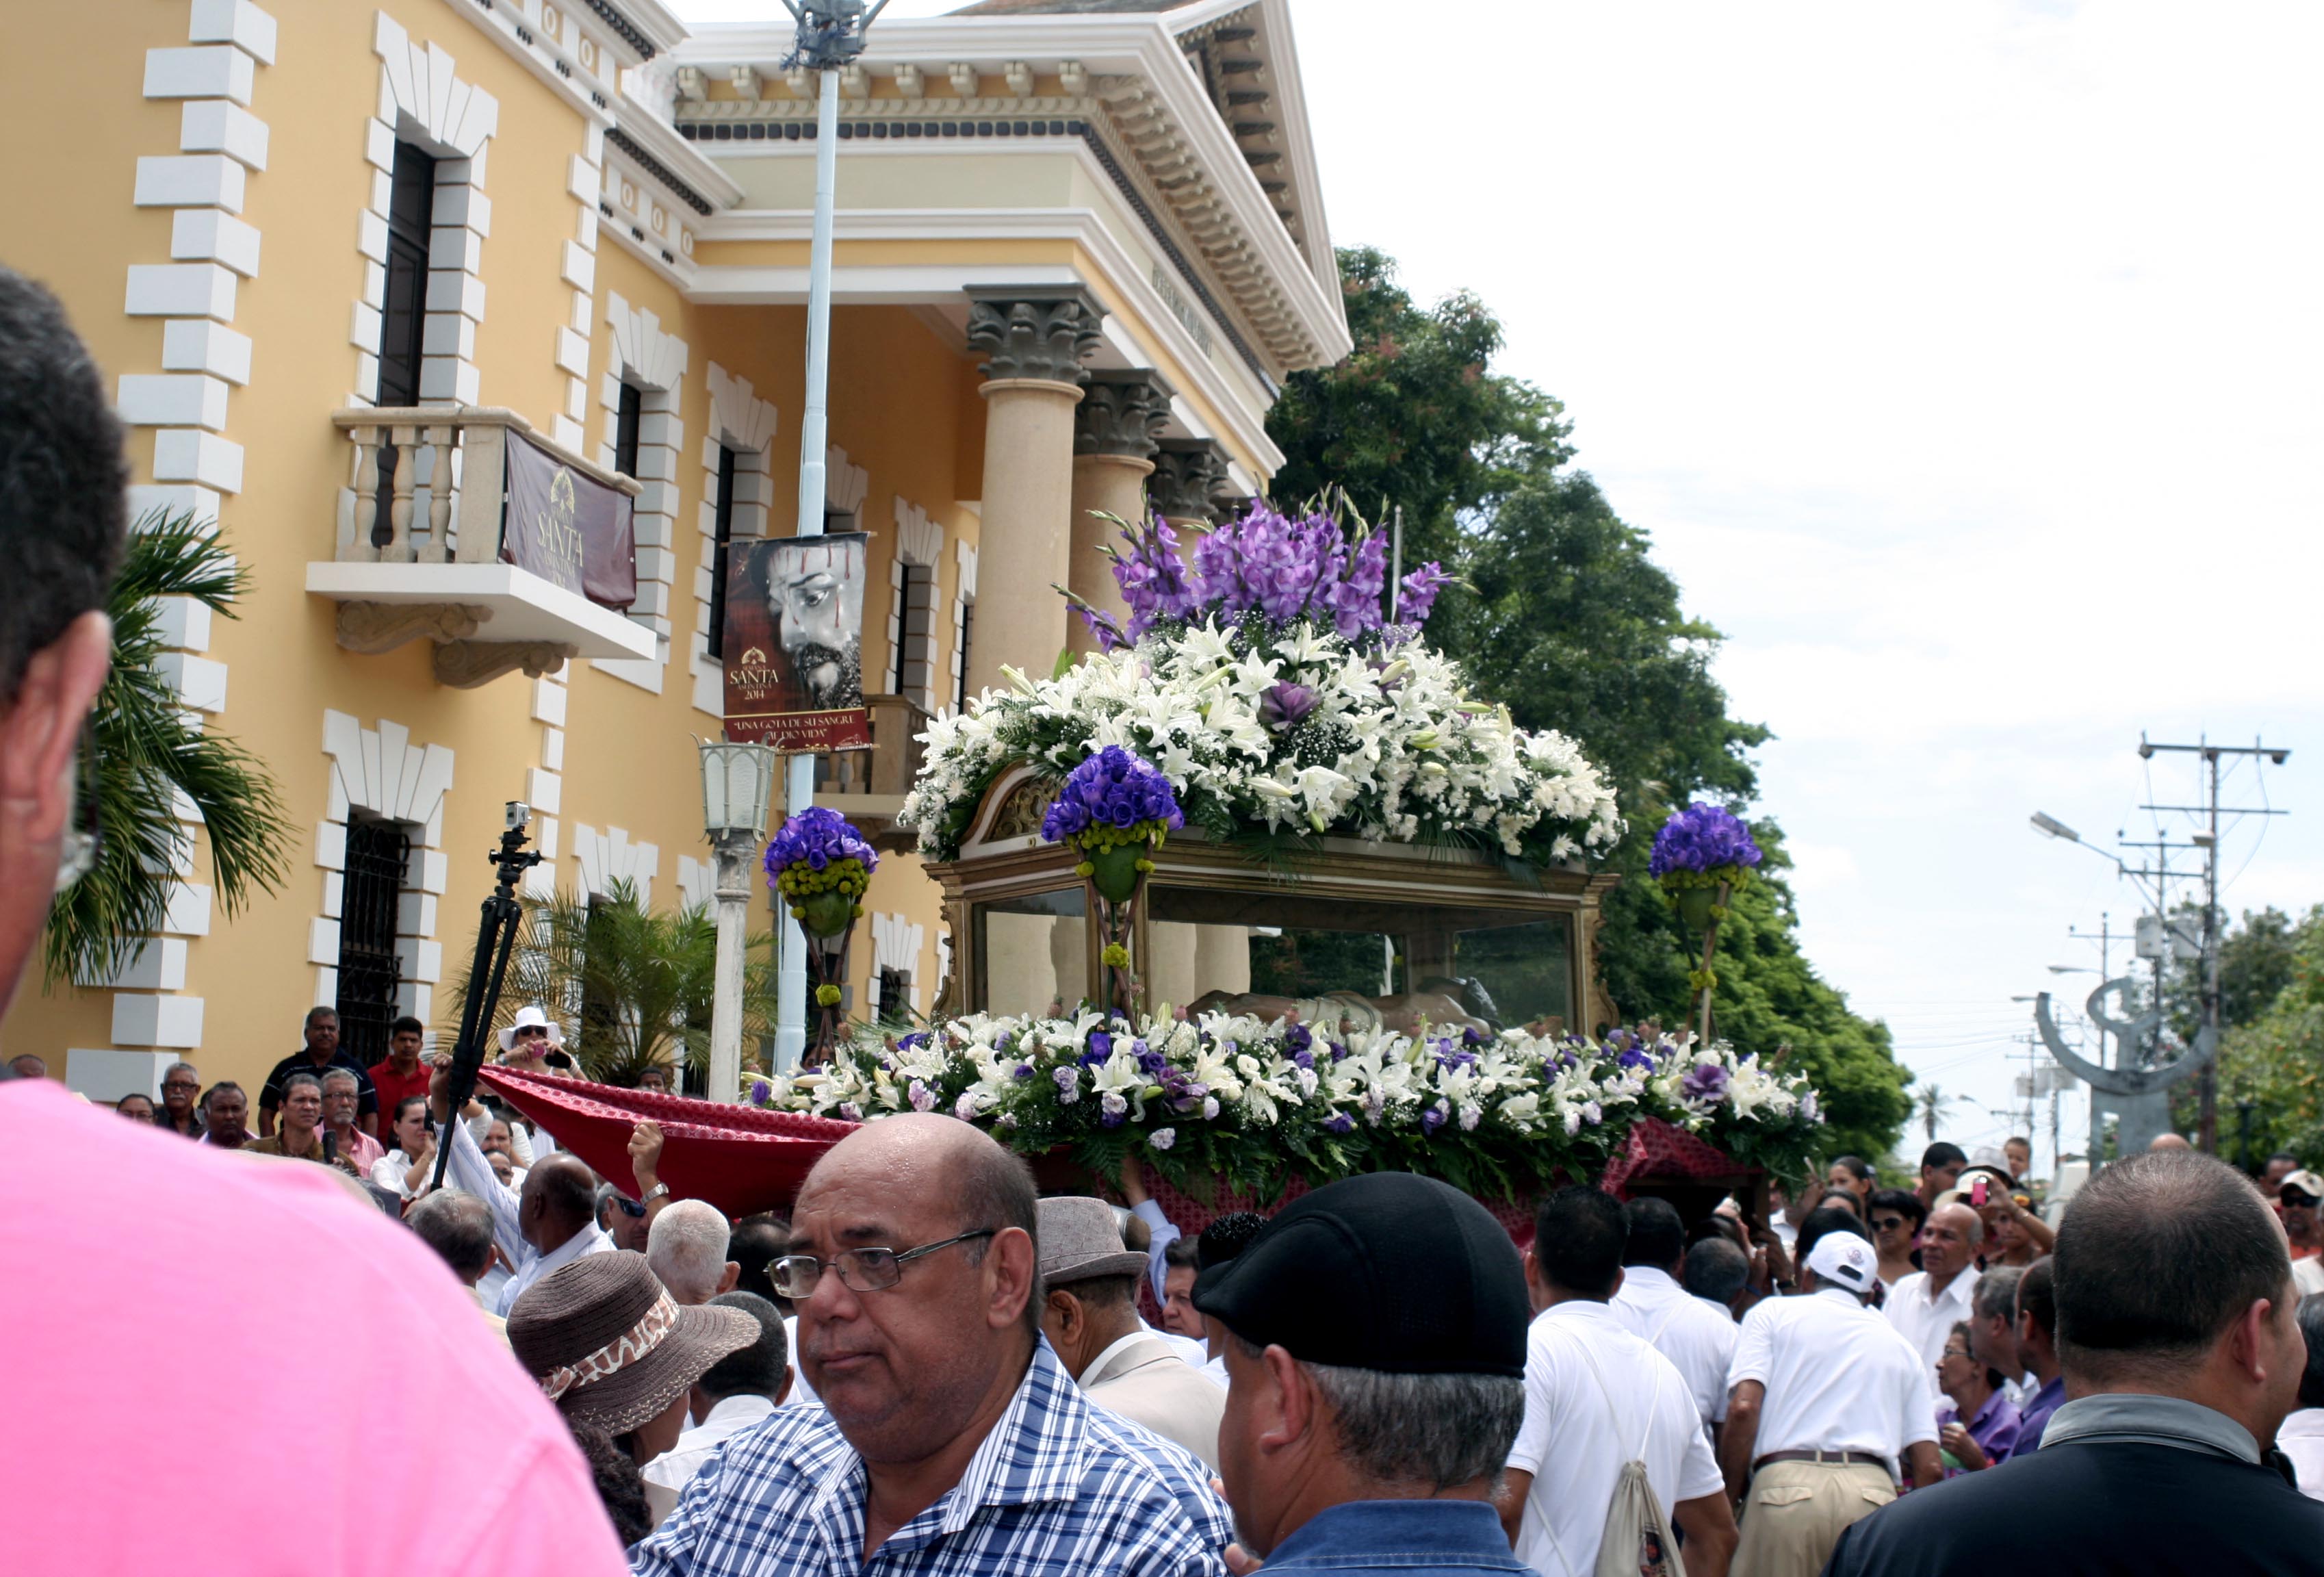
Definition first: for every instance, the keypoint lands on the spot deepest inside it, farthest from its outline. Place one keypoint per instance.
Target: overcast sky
(1962, 361)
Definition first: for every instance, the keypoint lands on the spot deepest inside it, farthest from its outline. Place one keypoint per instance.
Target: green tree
(2271, 1052)
(1564, 615)
(1414, 415)
(143, 763)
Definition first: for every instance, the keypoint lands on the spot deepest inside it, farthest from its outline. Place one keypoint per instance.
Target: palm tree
(143, 757)
(1932, 1106)
(632, 985)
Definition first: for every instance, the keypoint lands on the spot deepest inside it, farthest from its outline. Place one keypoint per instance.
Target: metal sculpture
(2139, 1096)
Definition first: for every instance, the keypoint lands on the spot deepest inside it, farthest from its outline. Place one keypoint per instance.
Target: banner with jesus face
(793, 642)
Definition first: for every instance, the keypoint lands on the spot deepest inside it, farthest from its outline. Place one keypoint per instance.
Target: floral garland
(1248, 1102)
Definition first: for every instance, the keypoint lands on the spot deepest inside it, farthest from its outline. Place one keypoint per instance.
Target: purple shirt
(1995, 1428)
(2036, 1416)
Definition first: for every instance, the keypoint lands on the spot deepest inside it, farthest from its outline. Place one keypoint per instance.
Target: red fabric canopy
(740, 1159)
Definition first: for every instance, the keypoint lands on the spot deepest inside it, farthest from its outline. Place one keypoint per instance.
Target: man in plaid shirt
(951, 1442)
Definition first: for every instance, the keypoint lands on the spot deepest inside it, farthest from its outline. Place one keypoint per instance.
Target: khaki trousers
(1796, 1511)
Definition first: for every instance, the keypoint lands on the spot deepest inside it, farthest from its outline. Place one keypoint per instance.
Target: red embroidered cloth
(740, 1159)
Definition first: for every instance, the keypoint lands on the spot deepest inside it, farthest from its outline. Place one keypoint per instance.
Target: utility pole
(2208, 840)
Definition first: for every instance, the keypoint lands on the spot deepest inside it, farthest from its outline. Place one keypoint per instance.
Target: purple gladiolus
(1702, 837)
(1706, 1082)
(1264, 562)
(1419, 591)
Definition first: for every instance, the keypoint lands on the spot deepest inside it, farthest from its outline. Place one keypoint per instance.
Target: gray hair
(341, 1075)
(1996, 1297)
(458, 1226)
(1717, 1268)
(181, 1067)
(1440, 1430)
(686, 1248)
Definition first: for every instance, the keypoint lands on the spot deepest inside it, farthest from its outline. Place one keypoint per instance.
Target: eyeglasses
(629, 1207)
(1887, 1223)
(179, 1084)
(864, 1270)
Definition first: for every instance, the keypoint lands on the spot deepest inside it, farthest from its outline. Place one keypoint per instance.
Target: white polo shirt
(1580, 1426)
(1695, 1335)
(1925, 1322)
(1839, 1378)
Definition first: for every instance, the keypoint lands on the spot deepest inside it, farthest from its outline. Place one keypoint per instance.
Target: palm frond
(148, 764)
(632, 986)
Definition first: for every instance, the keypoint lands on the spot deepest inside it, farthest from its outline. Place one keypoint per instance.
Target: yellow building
(333, 255)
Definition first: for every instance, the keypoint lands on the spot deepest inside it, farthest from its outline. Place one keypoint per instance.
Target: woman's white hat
(531, 1017)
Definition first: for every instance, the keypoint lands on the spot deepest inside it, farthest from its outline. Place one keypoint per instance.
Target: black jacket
(2095, 1509)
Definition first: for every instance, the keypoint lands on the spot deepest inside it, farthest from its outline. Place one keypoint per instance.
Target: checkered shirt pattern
(1059, 1486)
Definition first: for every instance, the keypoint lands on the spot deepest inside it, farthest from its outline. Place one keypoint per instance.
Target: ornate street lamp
(738, 782)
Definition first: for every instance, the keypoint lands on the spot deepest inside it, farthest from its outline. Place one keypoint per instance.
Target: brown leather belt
(1846, 1458)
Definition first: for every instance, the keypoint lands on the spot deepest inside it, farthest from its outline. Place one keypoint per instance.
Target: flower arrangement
(1116, 809)
(821, 864)
(1701, 856)
(1247, 1102)
(1702, 846)
(1263, 730)
(1285, 571)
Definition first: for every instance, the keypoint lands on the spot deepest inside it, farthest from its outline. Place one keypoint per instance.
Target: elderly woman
(1973, 1394)
(619, 1358)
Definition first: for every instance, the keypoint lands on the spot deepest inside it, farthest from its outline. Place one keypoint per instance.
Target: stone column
(1115, 431)
(1188, 474)
(1033, 341)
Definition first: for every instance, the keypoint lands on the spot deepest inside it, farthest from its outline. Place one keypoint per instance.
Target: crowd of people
(926, 1368)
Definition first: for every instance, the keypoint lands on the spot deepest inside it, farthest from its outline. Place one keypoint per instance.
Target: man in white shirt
(1825, 1398)
(685, 1248)
(1598, 1397)
(1926, 1305)
(550, 1225)
(736, 1392)
(1698, 1338)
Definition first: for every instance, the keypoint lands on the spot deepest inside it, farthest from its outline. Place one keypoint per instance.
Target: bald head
(904, 1365)
(1949, 1240)
(2169, 1141)
(558, 1194)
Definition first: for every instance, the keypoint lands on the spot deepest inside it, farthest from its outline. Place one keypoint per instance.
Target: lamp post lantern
(738, 781)
(830, 36)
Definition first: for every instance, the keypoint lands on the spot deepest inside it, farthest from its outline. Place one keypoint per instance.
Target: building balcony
(868, 787)
(417, 554)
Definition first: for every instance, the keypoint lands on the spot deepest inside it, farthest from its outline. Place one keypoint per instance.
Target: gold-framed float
(1518, 940)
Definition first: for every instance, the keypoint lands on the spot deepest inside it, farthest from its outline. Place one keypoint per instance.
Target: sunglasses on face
(1887, 1223)
(629, 1207)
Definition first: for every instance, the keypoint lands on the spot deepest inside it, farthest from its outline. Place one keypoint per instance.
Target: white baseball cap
(1842, 1258)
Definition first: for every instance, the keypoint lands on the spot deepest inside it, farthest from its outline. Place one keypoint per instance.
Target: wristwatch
(659, 1191)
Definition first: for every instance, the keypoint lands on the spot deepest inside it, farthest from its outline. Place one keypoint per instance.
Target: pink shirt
(207, 1351)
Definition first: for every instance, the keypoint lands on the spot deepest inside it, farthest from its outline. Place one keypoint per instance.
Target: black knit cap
(1389, 1271)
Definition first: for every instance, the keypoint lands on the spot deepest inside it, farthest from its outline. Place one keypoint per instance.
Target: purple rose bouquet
(819, 851)
(1114, 796)
(1702, 846)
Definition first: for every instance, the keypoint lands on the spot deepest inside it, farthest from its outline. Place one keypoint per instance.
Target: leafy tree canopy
(1564, 615)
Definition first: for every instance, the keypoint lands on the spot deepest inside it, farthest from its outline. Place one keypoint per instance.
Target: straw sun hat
(609, 1346)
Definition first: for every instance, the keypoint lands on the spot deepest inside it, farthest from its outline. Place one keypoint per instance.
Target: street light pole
(830, 36)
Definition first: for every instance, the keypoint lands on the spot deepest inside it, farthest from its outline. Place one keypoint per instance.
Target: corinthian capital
(1033, 332)
(1122, 413)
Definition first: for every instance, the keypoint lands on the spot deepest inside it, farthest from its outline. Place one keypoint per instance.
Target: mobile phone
(1976, 1193)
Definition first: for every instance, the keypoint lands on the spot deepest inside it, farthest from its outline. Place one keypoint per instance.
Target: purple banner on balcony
(569, 528)
(792, 641)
